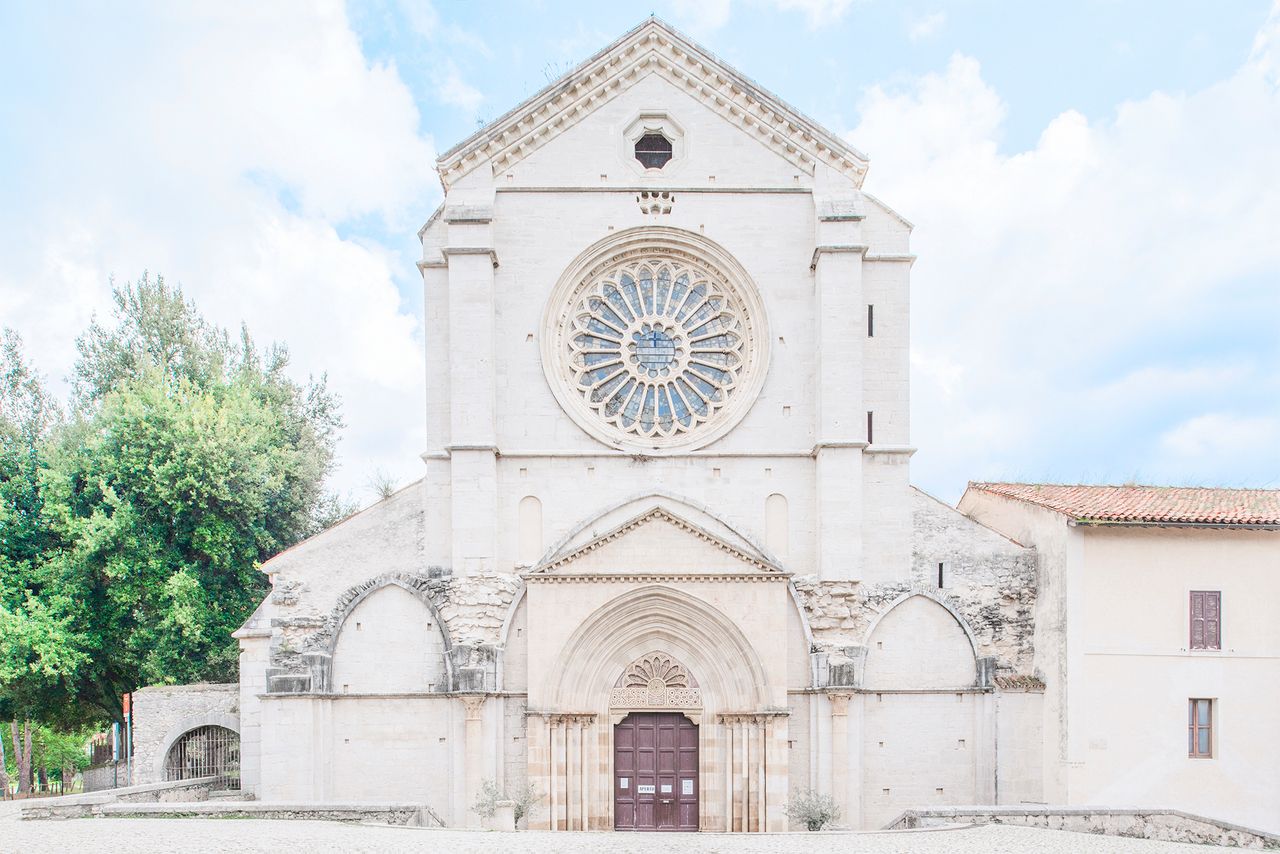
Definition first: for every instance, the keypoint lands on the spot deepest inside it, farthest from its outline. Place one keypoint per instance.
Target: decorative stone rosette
(656, 681)
(656, 343)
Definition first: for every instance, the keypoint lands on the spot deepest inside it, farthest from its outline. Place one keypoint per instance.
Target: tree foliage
(131, 532)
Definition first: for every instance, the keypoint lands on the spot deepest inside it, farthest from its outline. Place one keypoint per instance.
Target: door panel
(655, 772)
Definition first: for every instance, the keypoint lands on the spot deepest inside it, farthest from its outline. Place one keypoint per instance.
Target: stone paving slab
(250, 836)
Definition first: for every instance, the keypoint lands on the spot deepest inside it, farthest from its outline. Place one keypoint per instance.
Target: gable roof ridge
(643, 519)
(716, 84)
(1138, 504)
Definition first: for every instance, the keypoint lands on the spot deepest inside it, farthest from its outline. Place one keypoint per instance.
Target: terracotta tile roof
(1168, 505)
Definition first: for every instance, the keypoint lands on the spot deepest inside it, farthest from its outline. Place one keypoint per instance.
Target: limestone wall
(162, 713)
(987, 579)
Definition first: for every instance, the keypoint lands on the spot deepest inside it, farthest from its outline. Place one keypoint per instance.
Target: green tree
(131, 534)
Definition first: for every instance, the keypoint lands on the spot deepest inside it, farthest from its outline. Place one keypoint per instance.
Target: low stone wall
(1166, 825)
(105, 776)
(84, 806)
(415, 815)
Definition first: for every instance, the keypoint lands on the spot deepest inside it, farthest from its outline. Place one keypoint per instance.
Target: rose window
(657, 346)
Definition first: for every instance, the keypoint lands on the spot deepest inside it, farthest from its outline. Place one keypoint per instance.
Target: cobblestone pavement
(152, 836)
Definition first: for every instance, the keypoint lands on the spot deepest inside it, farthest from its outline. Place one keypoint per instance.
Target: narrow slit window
(871, 417)
(942, 574)
(1200, 729)
(653, 150)
(871, 321)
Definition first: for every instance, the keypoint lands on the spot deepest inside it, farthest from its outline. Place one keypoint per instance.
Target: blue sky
(1094, 187)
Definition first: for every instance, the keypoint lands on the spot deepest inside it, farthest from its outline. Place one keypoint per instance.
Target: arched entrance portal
(637, 653)
(655, 753)
(207, 751)
(655, 772)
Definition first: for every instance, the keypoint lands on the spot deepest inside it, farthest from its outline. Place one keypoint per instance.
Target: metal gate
(207, 751)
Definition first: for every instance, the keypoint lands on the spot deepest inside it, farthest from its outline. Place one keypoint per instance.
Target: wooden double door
(655, 777)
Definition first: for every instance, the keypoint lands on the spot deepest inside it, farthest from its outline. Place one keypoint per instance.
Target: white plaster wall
(919, 645)
(390, 643)
(1137, 674)
(1019, 747)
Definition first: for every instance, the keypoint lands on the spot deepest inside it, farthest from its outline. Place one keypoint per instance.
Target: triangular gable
(679, 546)
(654, 47)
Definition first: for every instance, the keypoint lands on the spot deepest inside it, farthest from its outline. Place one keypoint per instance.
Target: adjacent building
(1157, 639)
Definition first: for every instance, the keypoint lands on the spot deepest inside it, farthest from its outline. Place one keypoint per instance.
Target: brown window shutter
(1212, 619)
(1197, 620)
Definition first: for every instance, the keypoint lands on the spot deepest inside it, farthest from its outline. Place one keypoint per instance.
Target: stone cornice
(890, 449)
(449, 251)
(630, 577)
(656, 514)
(652, 48)
(834, 249)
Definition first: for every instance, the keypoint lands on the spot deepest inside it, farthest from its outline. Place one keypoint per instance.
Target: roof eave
(1152, 523)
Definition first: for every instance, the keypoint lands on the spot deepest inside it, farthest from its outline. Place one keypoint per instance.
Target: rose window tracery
(657, 346)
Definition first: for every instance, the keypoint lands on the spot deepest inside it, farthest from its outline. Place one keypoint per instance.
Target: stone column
(584, 764)
(539, 744)
(726, 725)
(840, 750)
(472, 444)
(474, 740)
(746, 774)
(758, 731)
(557, 769)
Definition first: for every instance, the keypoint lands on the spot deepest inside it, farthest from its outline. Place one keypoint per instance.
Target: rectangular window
(1206, 619)
(1200, 729)
(871, 321)
(870, 419)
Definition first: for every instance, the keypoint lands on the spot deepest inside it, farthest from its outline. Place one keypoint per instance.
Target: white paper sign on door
(686, 787)
(666, 788)
(644, 790)
(625, 784)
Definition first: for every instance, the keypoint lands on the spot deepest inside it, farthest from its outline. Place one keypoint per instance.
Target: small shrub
(812, 809)
(524, 798)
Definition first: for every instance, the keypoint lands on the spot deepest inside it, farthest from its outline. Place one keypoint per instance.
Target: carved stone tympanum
(656, 681)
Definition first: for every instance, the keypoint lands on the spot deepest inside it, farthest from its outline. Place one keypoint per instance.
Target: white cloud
(226, 146)
(926, 26)
(817, 12)
(706, 15)
(1216, 435)
(703, 15)
(1065, 296)
(456, 92)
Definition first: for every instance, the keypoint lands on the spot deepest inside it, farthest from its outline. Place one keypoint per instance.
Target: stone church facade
(666, 566)
(665, 563)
